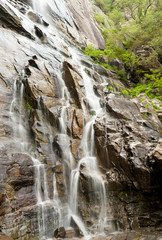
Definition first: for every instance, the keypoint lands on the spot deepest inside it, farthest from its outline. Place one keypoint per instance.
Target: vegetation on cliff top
(133, 33)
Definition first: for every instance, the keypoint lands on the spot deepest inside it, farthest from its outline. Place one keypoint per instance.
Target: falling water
(58, 217)
(52, 8)
(65, 99)
(24, 145)
(64, 211)
(89, 160)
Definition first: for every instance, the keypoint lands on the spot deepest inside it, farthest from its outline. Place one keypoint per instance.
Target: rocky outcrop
(10, 18)
(73, 81)
(85, 23)
(70, 17)
(116, 63)
(129, 139)
(42, 75)
(127, 145)
(17, 192)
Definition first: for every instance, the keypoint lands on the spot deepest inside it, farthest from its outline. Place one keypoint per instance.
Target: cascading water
(54, 8)
(24, 145)
(89, 161)
(63, 211)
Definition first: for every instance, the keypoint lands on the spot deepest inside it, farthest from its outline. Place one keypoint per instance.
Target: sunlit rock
(76, 158)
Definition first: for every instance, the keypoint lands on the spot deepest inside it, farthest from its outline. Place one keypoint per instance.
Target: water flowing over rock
(76, 161)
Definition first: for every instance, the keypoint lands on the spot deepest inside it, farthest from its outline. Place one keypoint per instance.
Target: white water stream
(65, 211)
(52, 8)
(89, 160)
(24, 145)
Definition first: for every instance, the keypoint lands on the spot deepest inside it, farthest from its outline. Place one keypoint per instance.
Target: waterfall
(89, 160)
(24, 145)
(63, 210)
(52, 8)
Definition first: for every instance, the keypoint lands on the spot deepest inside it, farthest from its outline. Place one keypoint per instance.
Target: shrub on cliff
(134, 37)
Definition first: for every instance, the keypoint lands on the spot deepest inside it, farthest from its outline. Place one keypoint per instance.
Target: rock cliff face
(84, 20)
(75, 158)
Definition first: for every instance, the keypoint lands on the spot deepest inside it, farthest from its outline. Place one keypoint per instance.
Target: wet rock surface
(128, 143)
(129, 235)
(11, 19)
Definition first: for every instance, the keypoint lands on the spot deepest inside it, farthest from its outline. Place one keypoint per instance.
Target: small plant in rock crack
(123, 194)
(29, 106)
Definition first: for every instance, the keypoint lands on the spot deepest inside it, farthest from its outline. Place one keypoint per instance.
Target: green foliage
(147, 105)
(123, 194)
(152, 90)
(136, 22)
(122, 75)
(153, 87)
(125, 91)
(100, 19)
(143, 99)
(92, 52)
(154, 75)
(88, 72)
(111, 52)
(112, 89)
(140, 88)
(155, 107)
(103, 4)
(93, 113)
(95, 55)
(133, 23)
(29, 106)
(146, 114)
